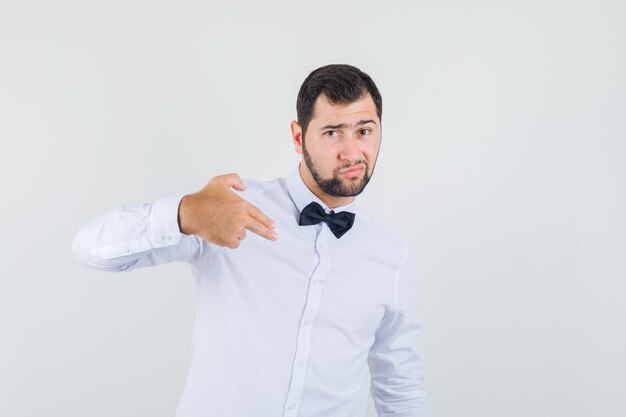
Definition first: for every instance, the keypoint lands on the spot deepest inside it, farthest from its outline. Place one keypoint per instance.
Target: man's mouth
(353, 171)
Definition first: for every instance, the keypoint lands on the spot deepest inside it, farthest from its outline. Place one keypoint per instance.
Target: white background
(503, 148)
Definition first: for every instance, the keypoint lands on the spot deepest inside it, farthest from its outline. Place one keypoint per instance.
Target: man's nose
(350, 150)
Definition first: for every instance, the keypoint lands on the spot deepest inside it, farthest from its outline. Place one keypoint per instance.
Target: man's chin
(352, 187)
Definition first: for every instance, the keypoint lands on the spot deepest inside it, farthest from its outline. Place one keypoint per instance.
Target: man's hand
(218, 215)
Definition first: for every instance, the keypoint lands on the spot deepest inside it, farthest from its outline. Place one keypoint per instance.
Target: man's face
(341, 145)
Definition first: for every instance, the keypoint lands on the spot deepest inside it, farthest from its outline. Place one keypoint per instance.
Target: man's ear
(296, 135)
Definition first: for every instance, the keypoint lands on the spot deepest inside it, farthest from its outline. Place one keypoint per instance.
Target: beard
(336, 185)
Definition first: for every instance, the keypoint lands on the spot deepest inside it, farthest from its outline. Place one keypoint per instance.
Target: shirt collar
(302, 195)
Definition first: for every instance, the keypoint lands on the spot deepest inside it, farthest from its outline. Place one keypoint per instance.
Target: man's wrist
(183, 217)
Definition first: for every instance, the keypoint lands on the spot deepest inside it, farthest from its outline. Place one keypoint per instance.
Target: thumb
(232, 180)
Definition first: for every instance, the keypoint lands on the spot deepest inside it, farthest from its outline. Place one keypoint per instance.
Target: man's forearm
(134, 236)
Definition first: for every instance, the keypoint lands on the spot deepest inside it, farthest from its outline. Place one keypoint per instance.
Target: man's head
(338, 131)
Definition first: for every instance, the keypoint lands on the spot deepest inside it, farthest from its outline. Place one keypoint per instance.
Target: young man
(318, 307)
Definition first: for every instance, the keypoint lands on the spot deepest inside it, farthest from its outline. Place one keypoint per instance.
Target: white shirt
(302, 326)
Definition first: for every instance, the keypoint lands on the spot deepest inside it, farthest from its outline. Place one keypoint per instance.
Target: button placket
(305, 329)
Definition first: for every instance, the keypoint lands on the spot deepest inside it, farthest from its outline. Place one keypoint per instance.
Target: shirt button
(307, 322)
(168, 238)
(292, 406)
(300, 364)
(316, 281)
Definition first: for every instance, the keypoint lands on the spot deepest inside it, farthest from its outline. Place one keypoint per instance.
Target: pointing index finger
(261, 229)
(257, 214)
(261, 224)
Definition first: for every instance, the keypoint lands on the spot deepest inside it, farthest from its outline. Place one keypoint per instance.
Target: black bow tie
(339, 223)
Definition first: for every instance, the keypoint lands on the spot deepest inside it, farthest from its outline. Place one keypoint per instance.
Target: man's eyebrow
(344, 125)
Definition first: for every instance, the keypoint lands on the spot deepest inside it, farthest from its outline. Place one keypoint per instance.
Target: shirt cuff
(164, 229)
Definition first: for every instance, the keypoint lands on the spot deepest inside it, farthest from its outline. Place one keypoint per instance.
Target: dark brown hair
(341, 84)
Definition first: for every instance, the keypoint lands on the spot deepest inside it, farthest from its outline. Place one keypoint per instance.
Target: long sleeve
(395, 364)
(135, 236)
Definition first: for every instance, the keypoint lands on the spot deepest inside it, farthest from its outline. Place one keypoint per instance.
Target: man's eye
(331, 133)
(365, 132)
